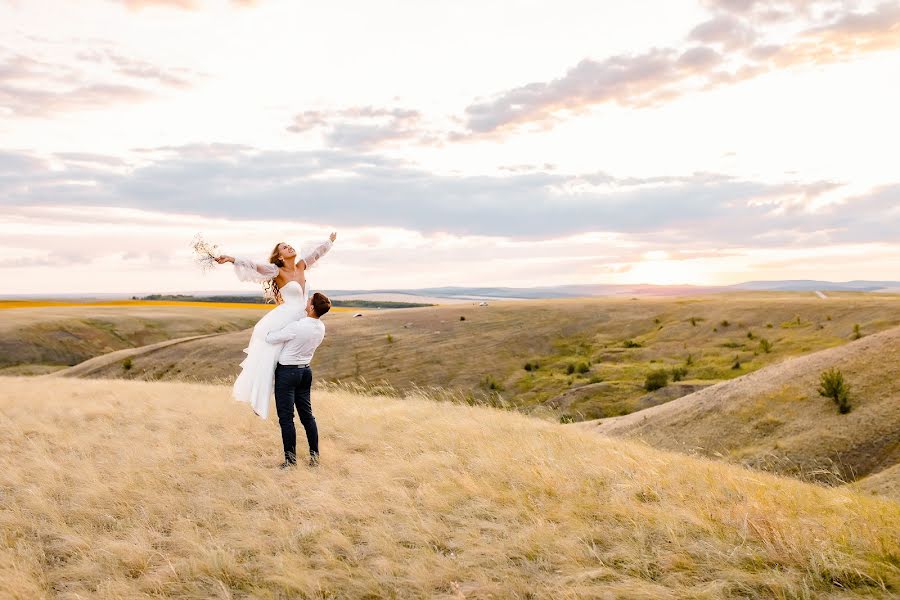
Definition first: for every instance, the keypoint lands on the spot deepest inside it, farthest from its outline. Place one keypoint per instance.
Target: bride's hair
(271, 286)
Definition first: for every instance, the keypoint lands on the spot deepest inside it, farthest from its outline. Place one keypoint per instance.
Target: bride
(284, 277)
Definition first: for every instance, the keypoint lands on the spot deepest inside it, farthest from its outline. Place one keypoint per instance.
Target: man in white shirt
(293, 377)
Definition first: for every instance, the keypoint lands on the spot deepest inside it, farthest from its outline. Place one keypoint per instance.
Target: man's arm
(284, 334)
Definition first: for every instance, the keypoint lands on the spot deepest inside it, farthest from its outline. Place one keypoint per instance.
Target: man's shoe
(287, 465)
(314, 460)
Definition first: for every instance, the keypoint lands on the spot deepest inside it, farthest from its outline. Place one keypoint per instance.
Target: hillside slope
(613, 342)
(126, 489)
(42, 339)
(774, 418)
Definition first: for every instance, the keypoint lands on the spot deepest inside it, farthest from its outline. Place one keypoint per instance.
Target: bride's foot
(314, 460)
(287, 465)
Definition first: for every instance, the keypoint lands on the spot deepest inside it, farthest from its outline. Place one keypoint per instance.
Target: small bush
(750, 335)
(631, 344)
(657, 321)
(689, 360)
(582, 367)
(832, 385)
(679, 373)
(765, 345)
(491, 384)
(462, 318)
(736, 364)
(724, 323)
(828, 317)
(127, 364)
(529, 367)
(656, 380)
(565, 419)
(769, 326)
(390, 339)
(595, 379)
(856, 333)
(570, 368)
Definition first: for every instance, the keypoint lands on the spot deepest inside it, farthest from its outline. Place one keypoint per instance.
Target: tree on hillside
(832, 385)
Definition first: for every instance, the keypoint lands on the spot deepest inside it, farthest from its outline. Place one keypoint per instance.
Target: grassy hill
(46, 338)
(775, 419)
(586, 358)
(127, 489)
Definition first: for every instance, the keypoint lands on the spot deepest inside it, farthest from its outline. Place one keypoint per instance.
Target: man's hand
(224, 259)
(333, 236)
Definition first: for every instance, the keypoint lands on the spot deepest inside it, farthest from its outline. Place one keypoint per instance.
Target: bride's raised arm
(319, 251)
(248, 270)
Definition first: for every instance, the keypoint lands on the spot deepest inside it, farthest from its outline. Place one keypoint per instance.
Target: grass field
(776, 420)
(122, 489)
(588, 358)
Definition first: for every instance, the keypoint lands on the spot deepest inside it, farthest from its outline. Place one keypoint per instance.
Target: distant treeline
(260, 300)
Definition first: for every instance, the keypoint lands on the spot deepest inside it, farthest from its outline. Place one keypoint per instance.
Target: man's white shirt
(301, 339)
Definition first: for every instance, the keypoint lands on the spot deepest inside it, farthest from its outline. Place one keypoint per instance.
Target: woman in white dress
(284, 277)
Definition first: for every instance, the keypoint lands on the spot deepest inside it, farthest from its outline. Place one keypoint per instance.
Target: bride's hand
(224, 259)
(333, 236)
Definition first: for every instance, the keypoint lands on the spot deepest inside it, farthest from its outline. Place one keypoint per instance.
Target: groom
(293, 377)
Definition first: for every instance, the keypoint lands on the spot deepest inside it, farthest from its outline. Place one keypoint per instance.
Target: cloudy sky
(469, 142)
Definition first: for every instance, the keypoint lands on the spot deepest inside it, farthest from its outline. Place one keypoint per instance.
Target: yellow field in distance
(7, 304)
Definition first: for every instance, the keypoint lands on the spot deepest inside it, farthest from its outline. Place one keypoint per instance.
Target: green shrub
(631, 344)
(765, 345)
(529, 366)
(689, 360)
(570, 368)
(679, 373)
(390, 339)
(564, 419)
(736, 364)
(582, 367)
(856, 333)
(749, 335)
(724, 323)
(769, 326)
(656, 379)
(832, 385)
(127, 364)
(490, 383)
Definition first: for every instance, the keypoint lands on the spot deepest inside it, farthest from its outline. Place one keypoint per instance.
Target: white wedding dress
(256, 381)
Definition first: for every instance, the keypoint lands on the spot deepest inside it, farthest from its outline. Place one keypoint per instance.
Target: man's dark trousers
(292, 387)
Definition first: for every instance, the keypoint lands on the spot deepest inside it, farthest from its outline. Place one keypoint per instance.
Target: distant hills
(560, 291)
(581, 291)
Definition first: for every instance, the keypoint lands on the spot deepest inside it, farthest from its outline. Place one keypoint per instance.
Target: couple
(283, 343)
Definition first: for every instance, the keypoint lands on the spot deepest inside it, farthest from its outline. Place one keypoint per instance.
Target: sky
(464, 143)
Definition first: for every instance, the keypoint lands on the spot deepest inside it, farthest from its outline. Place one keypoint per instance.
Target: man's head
(318, 305)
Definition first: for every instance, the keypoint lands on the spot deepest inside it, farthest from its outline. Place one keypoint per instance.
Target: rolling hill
(774, 418)
(47, 338)
(563, 359)
(137, 489)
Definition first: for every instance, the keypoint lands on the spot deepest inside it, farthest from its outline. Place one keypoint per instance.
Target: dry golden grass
(120, 489)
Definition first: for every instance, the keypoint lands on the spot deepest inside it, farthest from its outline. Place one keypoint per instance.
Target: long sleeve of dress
(318, 252)
(248, 270)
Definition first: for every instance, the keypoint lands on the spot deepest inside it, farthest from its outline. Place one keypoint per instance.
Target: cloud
(180, 4)
(729, 48)
(32, 87)
(364, 127)
(347, 189)
(732, 33)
